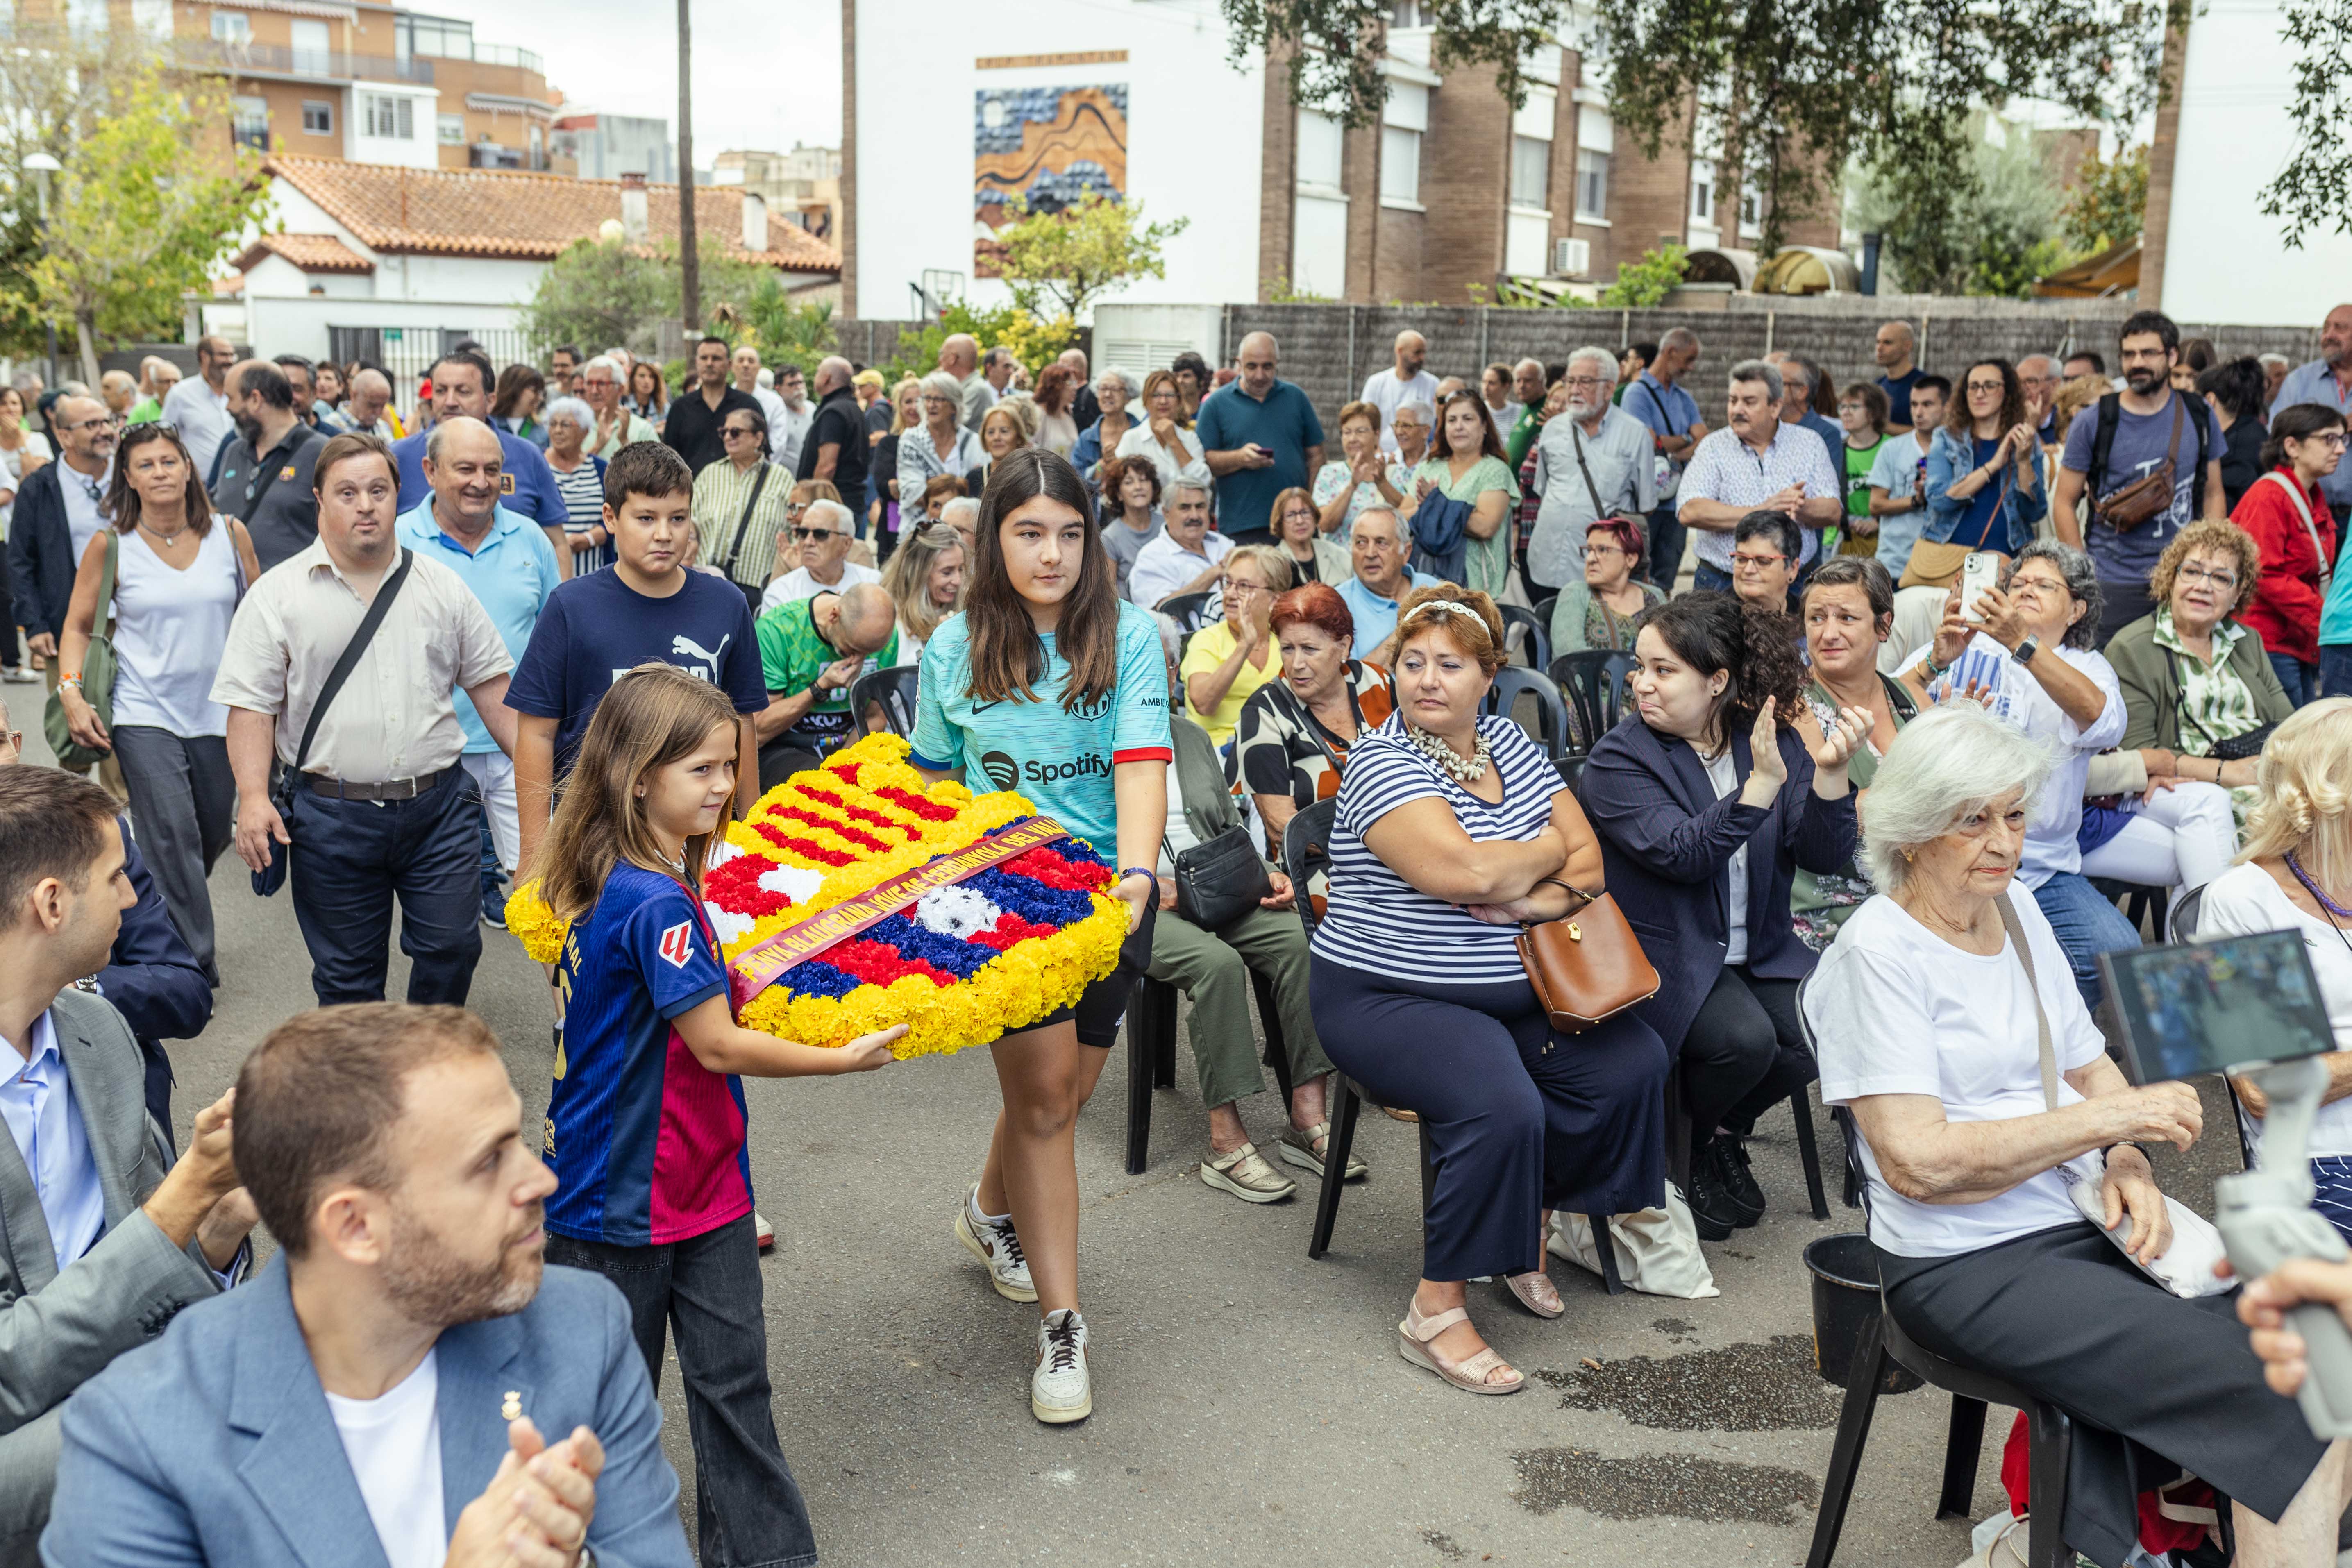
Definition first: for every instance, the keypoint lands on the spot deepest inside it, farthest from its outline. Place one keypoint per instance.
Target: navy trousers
(352, 857)
(1519, 1120)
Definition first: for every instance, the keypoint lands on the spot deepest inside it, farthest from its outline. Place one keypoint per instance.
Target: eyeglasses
(1238, 586)
(811, 535)
(2039, 584)
(103, 421)
(732, 431)
(2221, 577)
(1741, 559)
(1986, 387)
(1589, 380)
(13, 739)
(1591, 550)
(2334, 441)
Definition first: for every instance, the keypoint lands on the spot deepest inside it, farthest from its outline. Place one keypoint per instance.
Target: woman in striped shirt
(579, 480)
(1452, 829)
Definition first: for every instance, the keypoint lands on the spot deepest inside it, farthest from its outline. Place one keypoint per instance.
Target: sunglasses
(732, 431)
(810, 535)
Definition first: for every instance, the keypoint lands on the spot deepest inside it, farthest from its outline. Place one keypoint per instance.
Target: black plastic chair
(1511, 683)
(1151, 1055)
(1190, 610)
(2140, 902)
(1534, 632)
(1544, 607)
(891, 691)
(1593, 682)
(1883, 1346)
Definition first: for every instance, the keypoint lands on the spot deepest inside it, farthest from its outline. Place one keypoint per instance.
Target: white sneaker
(1061, 1390)
(992, 1241)
(762, 1232)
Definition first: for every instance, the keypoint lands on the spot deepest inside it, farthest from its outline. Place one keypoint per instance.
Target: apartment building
(801, 186)
(1450, 193)
(604, 146)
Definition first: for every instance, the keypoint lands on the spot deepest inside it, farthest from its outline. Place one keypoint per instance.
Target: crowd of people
(1945, 640)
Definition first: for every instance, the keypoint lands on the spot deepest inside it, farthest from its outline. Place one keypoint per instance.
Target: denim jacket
(1951, 458)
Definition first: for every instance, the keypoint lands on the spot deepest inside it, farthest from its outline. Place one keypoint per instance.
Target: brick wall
(1279, 161)
(1649, 201)
(1465, 171)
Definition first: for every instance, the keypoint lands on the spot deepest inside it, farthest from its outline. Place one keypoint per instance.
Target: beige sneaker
(1246, 1175)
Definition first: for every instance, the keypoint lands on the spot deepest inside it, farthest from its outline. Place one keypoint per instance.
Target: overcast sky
(766, 75)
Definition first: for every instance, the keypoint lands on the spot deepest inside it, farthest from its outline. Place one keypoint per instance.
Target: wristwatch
(2025, 650)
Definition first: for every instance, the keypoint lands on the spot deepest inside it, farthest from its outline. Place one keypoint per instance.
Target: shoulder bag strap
(2179, 417)
(353, 650)
(2180, 680)
(261, 493)
(1598, 511)
(105, 574)
(1299, 714)
(743, 523)
(2103, 444)
(2303, 511)
(2016, 930)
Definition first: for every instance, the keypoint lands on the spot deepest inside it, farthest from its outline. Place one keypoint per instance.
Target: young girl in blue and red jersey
(646, 1126)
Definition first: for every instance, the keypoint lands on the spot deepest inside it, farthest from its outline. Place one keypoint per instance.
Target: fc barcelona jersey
(646, 1142)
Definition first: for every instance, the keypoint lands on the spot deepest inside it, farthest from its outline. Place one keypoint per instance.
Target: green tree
(1992, 229)
(783, 331)
(138, 218)
(1058, 263)
(2314, 191)
(601, 292)
(1010, 326)
(1647, 282)
(2104, 208)
(1333, 46)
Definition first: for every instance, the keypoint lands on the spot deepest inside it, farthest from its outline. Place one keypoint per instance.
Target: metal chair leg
(1863, 1384)
(1810, 1153)
(1962, 1448)
(1334, 1165)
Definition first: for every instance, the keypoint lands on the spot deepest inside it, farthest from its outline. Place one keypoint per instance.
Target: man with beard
(2143, 431)
(1593, 463)
(399, 1370)
(266, 474)
(106, 1237)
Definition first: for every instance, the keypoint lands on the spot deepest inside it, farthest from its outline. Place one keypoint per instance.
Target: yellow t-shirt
(1211, 646)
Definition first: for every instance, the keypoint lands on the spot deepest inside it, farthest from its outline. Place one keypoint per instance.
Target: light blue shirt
(37, 1102)
(2315, 383)
(1375, 618)
(511, 573)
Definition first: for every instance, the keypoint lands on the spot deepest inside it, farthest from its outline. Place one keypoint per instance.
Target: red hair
(1317, 605)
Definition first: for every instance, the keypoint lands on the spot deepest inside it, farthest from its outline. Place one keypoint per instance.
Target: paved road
(1250, 1405)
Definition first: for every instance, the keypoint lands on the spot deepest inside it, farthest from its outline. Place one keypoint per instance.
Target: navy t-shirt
(1976, 524)
(2142, 443)
(597, 629)
(1285, 424)
(1898, 396)
(526, 484)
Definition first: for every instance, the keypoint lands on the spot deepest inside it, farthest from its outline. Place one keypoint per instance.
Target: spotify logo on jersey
(1002, 770)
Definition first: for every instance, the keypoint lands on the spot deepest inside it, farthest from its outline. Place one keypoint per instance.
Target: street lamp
(41, 165)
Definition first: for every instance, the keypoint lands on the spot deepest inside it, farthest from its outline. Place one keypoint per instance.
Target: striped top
(1377, 921)
(721, 491)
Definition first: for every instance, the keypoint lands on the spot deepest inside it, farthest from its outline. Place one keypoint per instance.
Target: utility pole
(689, 270)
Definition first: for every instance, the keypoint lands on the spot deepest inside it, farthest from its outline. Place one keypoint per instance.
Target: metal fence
(406, 355)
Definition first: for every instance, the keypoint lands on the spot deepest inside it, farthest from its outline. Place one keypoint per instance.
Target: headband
(1450, 608)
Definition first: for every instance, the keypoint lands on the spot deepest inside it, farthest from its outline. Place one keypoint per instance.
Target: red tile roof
(310, 252)
(507, 214)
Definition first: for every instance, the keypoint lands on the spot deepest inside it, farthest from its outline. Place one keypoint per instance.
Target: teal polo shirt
(512, 572)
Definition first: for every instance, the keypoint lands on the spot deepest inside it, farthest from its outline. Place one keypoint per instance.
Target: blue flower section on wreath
(814, 977)
(950, 955)
(1031, 900)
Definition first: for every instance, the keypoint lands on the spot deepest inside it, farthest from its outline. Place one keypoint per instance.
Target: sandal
(1413, 1337)
(1304, 1147)
(1535, 1292)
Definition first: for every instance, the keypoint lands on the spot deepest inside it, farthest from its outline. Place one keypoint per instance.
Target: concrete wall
(299, 325)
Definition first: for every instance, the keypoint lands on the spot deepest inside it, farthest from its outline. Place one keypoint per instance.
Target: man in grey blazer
(103, 1237)
(377, 1396)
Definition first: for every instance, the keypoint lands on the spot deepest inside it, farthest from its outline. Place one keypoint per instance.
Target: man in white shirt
(408, 1371)
(198, 405)
(825, 532)
(1403, 382)
(379, 803)
(745, 362)
(1595, 463)
(1185, 558)
(1755, 462)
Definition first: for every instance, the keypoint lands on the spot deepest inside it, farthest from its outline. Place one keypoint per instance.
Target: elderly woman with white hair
(941, 445)
(579, 480)
(1982, 1093)
(1113, 390)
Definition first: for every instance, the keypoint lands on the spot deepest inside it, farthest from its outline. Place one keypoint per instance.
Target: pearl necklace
(1465, 770)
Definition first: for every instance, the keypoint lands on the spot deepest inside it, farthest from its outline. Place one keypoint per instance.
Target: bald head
(866, 619)
(2335, 339)
(959, 355)
(1412, 354)
(833, 372)
(1258, 357)
(462, 464)
(371, 396)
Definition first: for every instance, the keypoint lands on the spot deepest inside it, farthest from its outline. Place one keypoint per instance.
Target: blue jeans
(2085, 925)
(2335, 669)
(2299, 681)
(1706, 579)
(704, 1293)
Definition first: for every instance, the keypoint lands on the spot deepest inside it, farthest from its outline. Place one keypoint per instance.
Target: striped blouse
(721, 491)
(1376, 919)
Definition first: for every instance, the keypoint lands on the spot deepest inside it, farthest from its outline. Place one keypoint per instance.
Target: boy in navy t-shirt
(648, 608)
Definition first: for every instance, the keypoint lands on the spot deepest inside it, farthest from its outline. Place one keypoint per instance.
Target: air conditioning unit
(1571, 258)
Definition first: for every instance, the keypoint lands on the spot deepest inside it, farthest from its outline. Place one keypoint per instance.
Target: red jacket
(2285, 610)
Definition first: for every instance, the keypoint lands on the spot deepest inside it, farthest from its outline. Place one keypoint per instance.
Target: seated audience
(1382, 579)
(1599, 609)
(2023, 649)
(1298, 533)
(1452, 829)
(1186, 558)
(2296, 536)
(1847, 609)
(1765, 548)
(1129, 512)
(1292, 740)
(381, 1143)
(2297, 877)
(1928, 1010)
(825, 530)
(1213, 968)
(925, 580)
(106, 1237)
(1705, 810)
(812, 651)
(1229, 660)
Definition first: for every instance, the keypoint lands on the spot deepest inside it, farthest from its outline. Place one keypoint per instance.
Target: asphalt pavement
(1250, 1406)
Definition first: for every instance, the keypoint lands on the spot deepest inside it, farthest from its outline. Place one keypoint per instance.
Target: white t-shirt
(797, 584)
(394, 1444)
(1385, 392)
(1179, 835)
(1724, 773)
(2246, 900)
(1895, 1009)
(83, 518)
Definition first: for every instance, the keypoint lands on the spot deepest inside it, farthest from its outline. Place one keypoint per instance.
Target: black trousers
(783, 757)
(1744, 1052)
(352, 857)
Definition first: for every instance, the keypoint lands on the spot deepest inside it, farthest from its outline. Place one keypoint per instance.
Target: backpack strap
(2103, 445)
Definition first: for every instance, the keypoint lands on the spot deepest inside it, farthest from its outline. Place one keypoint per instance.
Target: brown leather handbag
(2150, 495)
(1587, 967)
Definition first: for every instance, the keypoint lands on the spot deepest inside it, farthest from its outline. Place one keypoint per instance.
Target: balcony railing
(507, 55)
(334, 65)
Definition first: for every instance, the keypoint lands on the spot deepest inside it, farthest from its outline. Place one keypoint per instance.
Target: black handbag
(2227, 748)
(1219, 881)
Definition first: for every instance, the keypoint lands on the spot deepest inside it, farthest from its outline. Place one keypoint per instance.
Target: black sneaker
(1737, 1180)
(1710, 1207)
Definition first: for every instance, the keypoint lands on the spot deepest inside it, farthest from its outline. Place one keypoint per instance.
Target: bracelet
(74, 679)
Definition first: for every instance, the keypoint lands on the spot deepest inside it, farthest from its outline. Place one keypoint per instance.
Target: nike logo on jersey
(677, 943)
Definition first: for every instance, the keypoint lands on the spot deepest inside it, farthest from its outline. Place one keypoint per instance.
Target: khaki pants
(1214, 969)
(109, 771)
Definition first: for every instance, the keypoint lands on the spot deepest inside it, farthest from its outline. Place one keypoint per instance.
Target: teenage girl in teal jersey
(1047, 683)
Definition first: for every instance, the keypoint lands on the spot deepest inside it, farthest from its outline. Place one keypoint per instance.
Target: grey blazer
(58, 1329)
